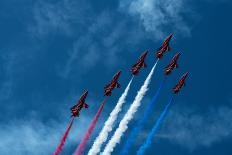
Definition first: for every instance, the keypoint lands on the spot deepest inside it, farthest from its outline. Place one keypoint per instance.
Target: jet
(114, 83)
(173, 64)
(139, 64)
(75, 110)
(180, 84)
(164, 48)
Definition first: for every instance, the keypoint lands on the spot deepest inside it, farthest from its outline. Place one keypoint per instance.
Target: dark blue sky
(51, 51)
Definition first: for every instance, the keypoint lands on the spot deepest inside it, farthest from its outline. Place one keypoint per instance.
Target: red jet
(114, 83)
(75, 110)
(139, 64)
(173, 64)
(180, 84)
(164, 48)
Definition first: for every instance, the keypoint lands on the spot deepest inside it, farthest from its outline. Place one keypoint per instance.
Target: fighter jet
(173, 64)
(114, 83)
(139, 64)
(180, 84)
(75, 110)
(164, 48)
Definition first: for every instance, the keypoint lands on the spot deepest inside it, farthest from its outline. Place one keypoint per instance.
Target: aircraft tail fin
(144, 65)
(86, 105)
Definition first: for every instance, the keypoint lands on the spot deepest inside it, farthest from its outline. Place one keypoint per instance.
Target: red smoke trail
(62, 142)
(84, 140)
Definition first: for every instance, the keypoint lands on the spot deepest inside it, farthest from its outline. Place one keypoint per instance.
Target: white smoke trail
(129, 115)
(102, 137)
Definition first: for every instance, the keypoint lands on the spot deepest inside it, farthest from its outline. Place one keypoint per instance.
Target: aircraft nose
(178, 54)
(186, 74)
(119, 72)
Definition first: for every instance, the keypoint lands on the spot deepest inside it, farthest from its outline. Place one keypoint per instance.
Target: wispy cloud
(14, 61)
(102, 39)
(159, 17)
(193, 130)
(60, 17)
(27, 137)
(100, 34)
(9, 61)
(34, 137)
(95, 35)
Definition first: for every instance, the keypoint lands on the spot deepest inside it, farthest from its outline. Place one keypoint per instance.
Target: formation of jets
(75, 110)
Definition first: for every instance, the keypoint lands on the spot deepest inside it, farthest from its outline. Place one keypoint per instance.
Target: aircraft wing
(135, 65)
(176, 65)
(73, 107)
(144, 65)
(169, 48)
(118, 85)
(184, 84)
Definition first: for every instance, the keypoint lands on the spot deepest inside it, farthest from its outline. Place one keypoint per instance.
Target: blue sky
(51, 51)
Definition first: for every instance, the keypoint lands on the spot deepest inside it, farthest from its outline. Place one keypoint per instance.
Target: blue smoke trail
(141, 122)
(151, 135)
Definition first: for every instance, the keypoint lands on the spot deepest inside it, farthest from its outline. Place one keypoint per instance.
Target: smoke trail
(129, 115)
(135, 131)
(102, 137)
(62, 142)
(84, 140)
(151, 135)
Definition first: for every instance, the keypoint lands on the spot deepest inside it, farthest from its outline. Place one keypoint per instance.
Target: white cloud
(101, 44)
(9, 60)
(60, 17)
(34, 137)
(102, 34)
(193, 130)
(159, 17)
(14, 62)
(85, 47)
(95, 35)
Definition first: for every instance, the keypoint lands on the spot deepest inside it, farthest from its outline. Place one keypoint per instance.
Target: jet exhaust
(154, 130)
(102, 137)
(129, 115)
(138, 127)
(62, 142)
(81, 146)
